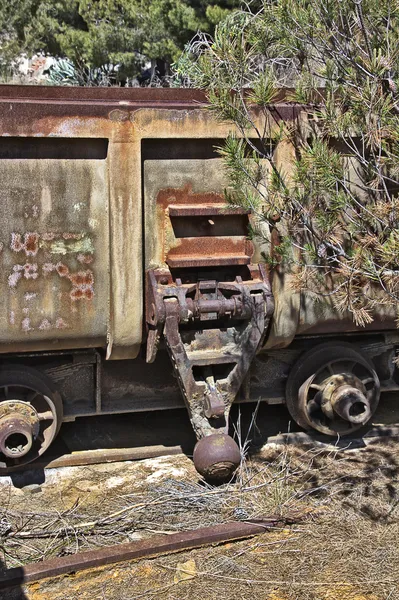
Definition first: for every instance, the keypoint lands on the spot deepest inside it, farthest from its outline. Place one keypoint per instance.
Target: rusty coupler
(212, 330)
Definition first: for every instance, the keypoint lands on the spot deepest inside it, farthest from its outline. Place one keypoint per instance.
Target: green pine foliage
(336, 210)
(96, 35)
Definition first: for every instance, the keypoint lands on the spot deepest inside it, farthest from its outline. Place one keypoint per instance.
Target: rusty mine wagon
(126, 277)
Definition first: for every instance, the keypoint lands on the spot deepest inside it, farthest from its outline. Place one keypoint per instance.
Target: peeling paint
(66, 246)
(30, 296)
(119, 116)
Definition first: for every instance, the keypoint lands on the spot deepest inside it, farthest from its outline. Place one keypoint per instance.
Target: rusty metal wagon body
(118, 249)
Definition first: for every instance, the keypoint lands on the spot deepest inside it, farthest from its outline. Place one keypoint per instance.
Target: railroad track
(157, 545)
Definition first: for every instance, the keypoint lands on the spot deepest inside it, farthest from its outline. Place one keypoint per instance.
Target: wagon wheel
(30, 415)
(333, 389)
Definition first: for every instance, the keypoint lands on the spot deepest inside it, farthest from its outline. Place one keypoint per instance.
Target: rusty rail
(96, 457)
(155, 546)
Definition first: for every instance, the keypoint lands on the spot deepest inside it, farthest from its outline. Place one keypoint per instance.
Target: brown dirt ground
(345, 545)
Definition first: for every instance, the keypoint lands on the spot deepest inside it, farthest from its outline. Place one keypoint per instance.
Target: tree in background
(336, 212)
(96, 35)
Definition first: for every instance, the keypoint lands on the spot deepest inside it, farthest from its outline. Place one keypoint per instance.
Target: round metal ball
(216, 457)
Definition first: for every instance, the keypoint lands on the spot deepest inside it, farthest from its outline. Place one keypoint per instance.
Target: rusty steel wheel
(333, 389)
(30, 415)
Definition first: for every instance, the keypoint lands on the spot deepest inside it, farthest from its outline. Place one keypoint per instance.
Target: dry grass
(345, 548)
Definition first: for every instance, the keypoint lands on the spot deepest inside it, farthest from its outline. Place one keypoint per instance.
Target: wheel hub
(333, 389)
(345, 395)
(19, 425)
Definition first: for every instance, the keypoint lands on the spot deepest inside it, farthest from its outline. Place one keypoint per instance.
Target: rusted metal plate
(185, 206)
(125, 119)
(54, 251)
(207, 252)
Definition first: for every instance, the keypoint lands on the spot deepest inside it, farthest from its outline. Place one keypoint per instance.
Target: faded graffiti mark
(26, 324)
(75, 247)
(54, 243)
(30, 244)
(82, 285)
(28, 271)
(119, 115)
(82, 281)
(61, 269)
(44, 325)
(85, 259)
(30, 296)
(68, 244)
(32, 212)
(60, 323)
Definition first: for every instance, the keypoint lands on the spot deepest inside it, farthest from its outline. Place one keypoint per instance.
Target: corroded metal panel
(100, 303)
(54, 252)
(171, 187)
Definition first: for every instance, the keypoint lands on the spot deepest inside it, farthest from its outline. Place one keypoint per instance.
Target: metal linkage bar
(212, 331)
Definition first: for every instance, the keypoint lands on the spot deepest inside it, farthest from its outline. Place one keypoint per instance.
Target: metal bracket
(212, 331)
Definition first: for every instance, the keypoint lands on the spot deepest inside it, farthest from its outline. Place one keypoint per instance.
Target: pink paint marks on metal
(82, 281)
(85, 259)
(16, 243)
(48, 268)
(60, 323)
(31, 271)
(15, 276)
(28, 271)
(30, 244)
(62, 270)
(82, 285)
(26, 324)
(30, 296)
